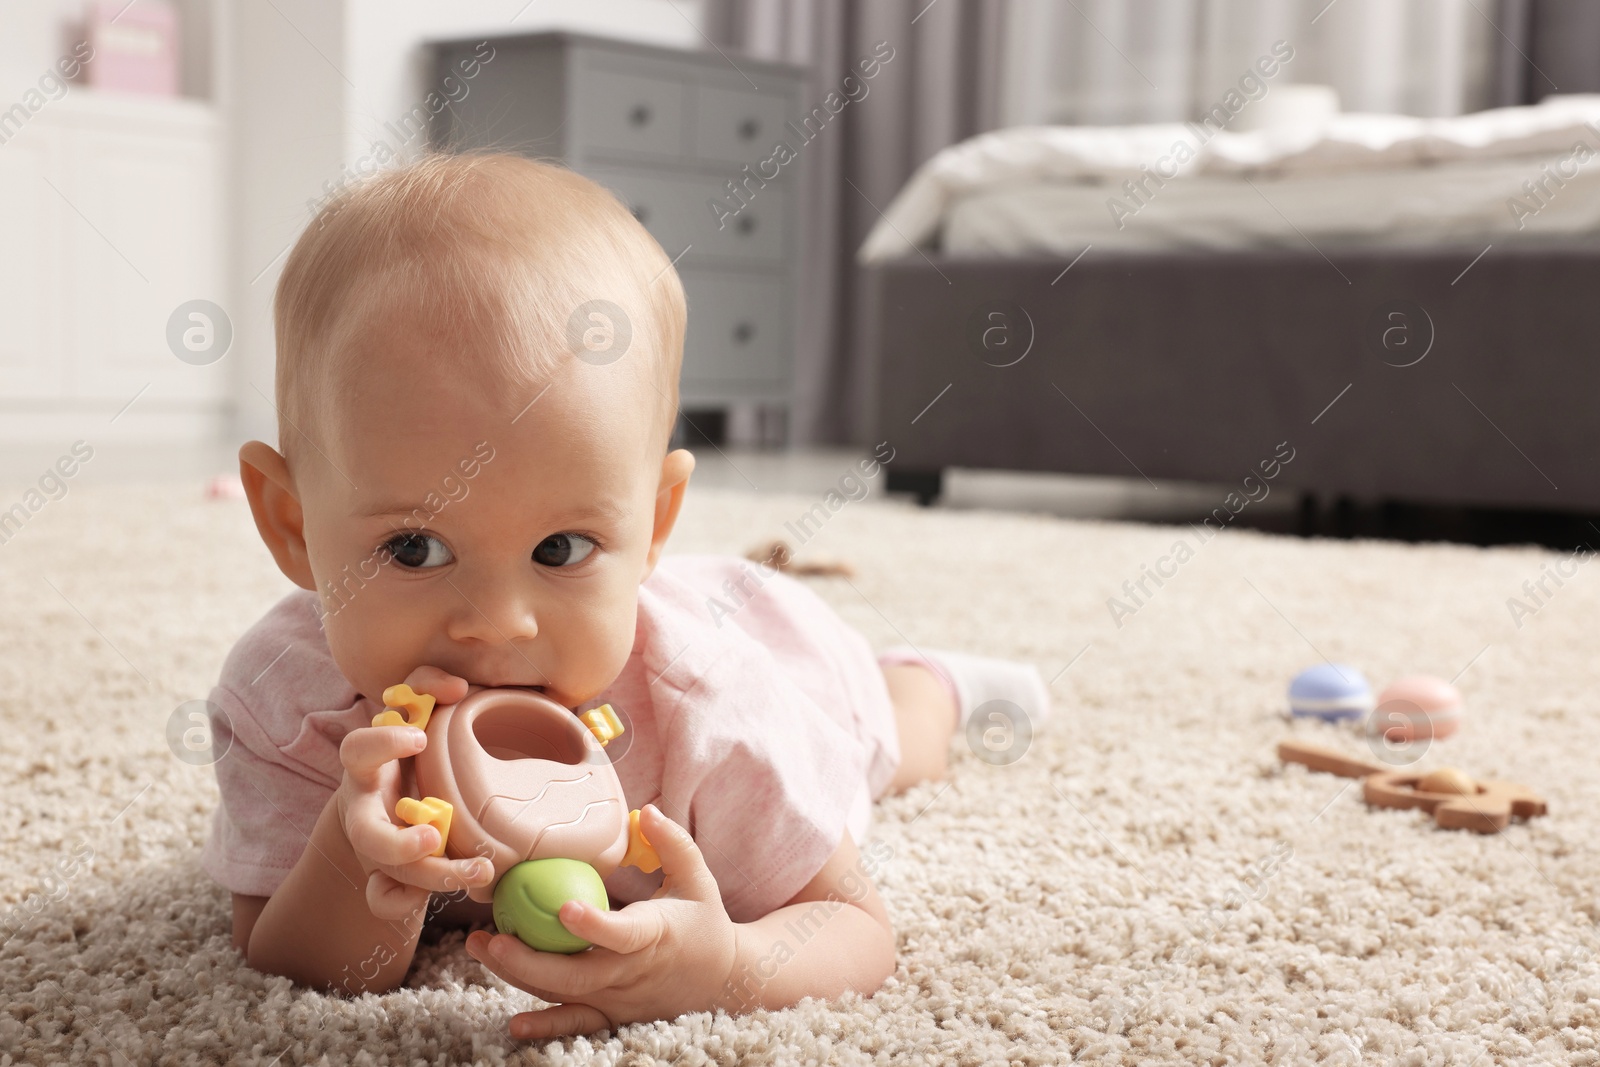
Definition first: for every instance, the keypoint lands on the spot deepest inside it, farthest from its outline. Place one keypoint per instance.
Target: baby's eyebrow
(390, 507)
(593, 509)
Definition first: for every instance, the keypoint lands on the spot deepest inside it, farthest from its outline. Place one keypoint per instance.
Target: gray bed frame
(1446, 375)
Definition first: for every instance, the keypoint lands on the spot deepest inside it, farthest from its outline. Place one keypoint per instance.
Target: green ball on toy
(531, 893)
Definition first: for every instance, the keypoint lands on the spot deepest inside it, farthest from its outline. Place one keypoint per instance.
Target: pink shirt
(757, 718)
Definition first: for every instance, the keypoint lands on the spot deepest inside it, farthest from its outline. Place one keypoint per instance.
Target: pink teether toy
(525, 779)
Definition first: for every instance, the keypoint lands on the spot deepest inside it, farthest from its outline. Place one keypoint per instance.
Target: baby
(477, 381)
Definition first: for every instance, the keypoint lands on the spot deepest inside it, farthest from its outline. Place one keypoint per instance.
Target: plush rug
(1145, 884)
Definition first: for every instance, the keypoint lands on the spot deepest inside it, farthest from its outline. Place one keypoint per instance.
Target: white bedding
(1368, 178)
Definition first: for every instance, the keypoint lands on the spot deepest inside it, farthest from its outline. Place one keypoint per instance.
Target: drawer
(739, 125)
(632, 114)
(738, 330)
(677, 211)
(663, 204)
(757, 232)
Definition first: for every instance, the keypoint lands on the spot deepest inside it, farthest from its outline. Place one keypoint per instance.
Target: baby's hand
(654, 959)
(401, 872)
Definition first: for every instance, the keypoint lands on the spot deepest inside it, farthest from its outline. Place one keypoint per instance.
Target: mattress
(1506, 173)
(1454, 202)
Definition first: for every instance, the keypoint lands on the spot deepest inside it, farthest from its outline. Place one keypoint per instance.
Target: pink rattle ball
(1418, 707)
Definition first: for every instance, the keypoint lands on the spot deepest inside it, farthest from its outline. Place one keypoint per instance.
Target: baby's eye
(562, 550)
(418, 550)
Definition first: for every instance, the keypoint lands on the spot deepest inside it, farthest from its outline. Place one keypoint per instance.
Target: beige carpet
(1145, 885)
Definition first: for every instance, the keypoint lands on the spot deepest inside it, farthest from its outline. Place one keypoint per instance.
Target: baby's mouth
(544, 689)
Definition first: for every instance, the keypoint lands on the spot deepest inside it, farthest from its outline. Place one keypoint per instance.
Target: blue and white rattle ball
(1332, 692)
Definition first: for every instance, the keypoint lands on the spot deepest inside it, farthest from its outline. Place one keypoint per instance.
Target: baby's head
(477, 380)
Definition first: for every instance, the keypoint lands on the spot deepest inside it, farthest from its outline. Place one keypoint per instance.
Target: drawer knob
(640, 115)
(743, 332)
(746, 224)
(748, 129)
(641, 214)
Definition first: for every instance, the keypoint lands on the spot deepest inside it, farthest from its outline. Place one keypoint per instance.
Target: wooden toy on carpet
(1455, 800)
(777, 555)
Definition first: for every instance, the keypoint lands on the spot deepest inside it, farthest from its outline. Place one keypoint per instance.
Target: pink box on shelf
(135, 47)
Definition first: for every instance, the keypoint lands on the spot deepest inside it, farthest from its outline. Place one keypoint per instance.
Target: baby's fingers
(627, 931)
(374, 835)
(396, 893)
(440, 875)
(392, 900)
(365, 750)
(444, 687)
(562, 1020)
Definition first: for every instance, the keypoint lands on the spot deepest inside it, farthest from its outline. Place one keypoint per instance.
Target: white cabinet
(31, 339)
(110, 218)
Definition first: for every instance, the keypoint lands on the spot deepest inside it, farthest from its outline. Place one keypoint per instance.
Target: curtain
(940, 87)
(1115, 62)
(1548, 46)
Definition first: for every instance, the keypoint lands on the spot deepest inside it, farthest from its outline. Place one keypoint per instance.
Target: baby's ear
(276, 507)
(675, 471)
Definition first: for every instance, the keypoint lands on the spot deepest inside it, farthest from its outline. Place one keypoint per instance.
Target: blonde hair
(489, 243)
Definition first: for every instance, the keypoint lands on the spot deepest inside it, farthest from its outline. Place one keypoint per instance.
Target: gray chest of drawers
(668, 131)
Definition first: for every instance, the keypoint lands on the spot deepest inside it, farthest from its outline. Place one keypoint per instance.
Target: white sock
(975, 680)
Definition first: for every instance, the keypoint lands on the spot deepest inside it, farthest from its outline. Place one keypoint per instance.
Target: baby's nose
(493, 613)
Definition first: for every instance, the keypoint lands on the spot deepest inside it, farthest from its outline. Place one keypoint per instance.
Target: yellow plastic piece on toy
(402, 697)
(431, 810)
(641, 853)
(603, 723)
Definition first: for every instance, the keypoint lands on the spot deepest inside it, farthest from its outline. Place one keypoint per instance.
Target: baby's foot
(973, 681)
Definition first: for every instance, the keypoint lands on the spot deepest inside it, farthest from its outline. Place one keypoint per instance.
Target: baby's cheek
(610, 621)
(375, 643)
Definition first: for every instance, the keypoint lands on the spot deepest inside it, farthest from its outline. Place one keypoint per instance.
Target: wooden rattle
(1456, 801)
(777, 555)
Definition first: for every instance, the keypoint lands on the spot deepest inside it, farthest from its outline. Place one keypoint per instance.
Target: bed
(1408, 305)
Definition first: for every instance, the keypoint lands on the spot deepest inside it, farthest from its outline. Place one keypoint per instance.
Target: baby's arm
(318, 929)
(347, 915)
(832, 937)
(680, 952)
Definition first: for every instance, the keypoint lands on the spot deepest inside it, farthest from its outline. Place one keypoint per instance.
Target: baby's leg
(935, 693)
(925, 714)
